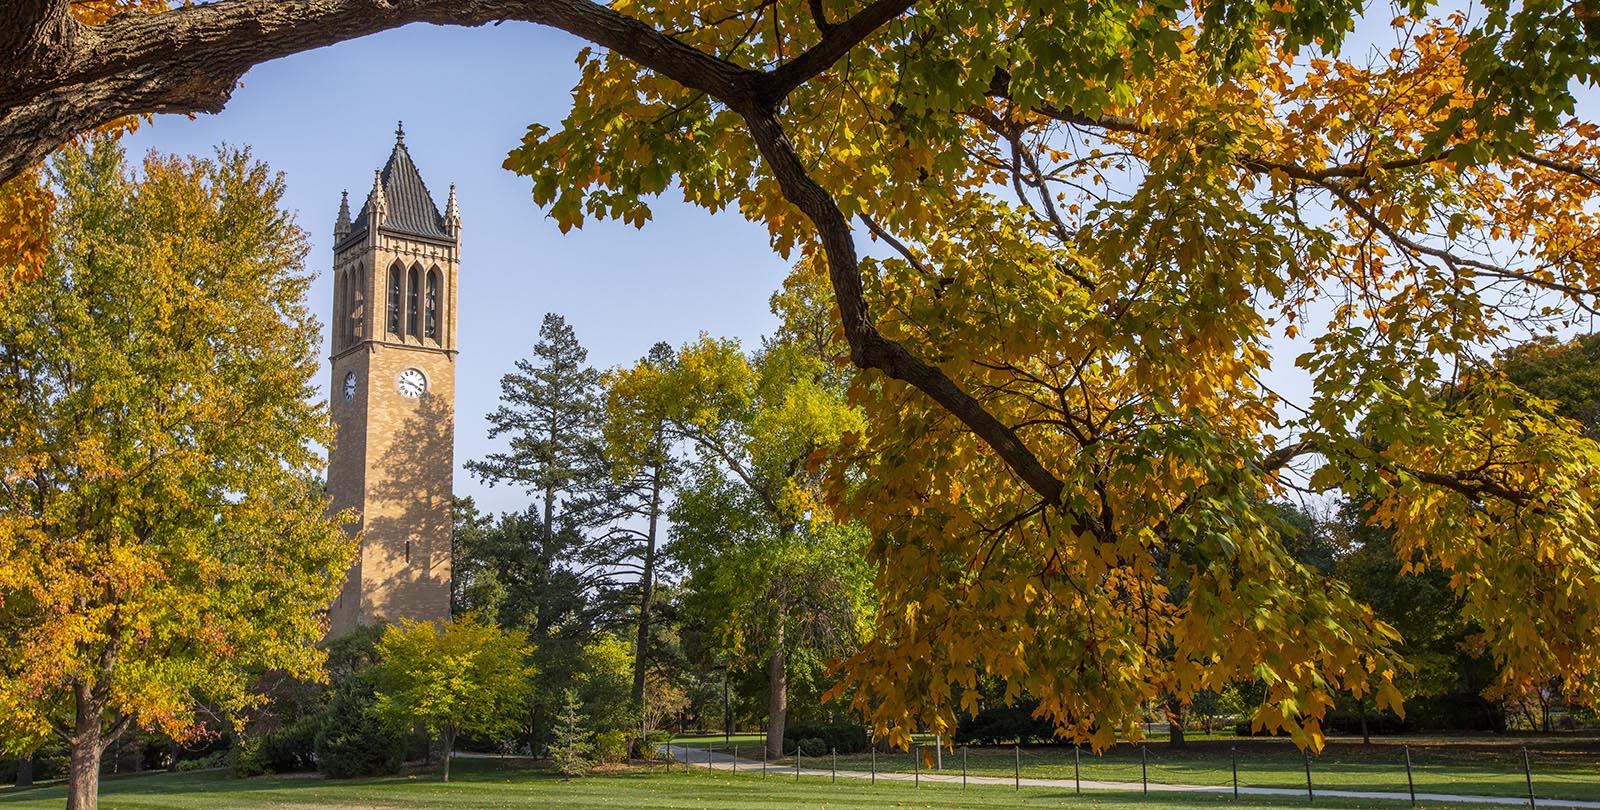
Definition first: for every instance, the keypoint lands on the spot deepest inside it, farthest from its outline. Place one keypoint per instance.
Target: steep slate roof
(410, 206)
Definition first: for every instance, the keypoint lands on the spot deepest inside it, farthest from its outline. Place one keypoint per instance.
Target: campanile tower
(393, 394)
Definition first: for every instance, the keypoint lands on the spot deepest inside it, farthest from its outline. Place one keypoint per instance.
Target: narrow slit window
(431, 311)
(394, 300)
(411, 302)
(341, 302)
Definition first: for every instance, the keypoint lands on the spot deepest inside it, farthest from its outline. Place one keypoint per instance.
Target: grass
(495, 784)
(1563, 768)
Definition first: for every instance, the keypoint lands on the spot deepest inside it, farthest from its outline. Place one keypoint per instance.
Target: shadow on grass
(220, 783)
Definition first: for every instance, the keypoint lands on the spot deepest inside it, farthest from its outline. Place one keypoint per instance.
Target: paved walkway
(717, 760)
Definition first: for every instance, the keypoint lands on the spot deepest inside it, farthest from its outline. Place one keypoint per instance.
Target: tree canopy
(1091, 223)
(465, 676)
(163, 541)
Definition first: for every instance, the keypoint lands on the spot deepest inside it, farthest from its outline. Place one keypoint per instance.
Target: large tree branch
(868, 348)
(837, 40)
(190, 59)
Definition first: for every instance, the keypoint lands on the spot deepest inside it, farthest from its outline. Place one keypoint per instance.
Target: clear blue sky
(326, 119)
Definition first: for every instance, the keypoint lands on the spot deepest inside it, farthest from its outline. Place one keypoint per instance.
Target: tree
(1081, 364)
(1564, 372)
(476, 583)
(466, 676)
(162, 539)
(571, 748)
(356, 737)
(550, 409)
(766, 566)
(639, 447)
(1437, 641)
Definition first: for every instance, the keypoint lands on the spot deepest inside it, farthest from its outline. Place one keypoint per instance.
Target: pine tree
(550, 409)
(571, 749)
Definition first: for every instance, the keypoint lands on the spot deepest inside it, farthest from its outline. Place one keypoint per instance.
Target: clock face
(411, 383)
(349, 386)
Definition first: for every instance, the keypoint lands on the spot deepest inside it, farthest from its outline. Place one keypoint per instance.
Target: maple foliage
(26, 201)
(468, 675)
(1098, 235)
(162, 538)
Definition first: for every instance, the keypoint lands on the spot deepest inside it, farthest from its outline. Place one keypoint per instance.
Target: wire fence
(1403, 773)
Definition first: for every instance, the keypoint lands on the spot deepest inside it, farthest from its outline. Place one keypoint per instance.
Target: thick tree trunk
(778, 686)
(25, 771)
(1175, 723)
(647, 585)
(85, 748)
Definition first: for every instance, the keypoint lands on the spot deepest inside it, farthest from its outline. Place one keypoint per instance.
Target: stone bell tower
(393, 395)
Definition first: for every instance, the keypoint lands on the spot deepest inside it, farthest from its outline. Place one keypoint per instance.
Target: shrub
(846, 738)
(287, 750)
(813, 746)
(649, 747)
(215, 759)
(611, 746)
(999, 723)
(356, 739)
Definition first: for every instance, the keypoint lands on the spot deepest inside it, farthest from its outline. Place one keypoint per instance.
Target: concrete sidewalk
(719, 761)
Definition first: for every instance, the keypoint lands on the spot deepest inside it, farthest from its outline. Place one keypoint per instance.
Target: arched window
(394, 299)
(430, 314)
(411, 302)
(358, 297)
(341, 303)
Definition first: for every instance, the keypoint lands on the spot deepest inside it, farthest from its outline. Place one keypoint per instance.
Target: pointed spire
(452, 214)
(377, 206)
(341, 228)
(400, 133)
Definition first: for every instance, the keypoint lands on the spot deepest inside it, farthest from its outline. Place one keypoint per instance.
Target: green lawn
(1563, 768)
(497, 784)
(490, 784)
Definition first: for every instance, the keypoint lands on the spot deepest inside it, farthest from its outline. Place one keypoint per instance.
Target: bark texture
(777, 690)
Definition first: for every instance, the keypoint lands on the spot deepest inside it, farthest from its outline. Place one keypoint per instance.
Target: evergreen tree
(571, 749)
(549, 407)
(476, 582)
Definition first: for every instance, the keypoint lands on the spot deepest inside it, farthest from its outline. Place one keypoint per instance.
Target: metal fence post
(963, 767)
(1527, 770)
(1235, 751)
(1016, 776)
(916, 764)
(686, 757)
(1310, 797)
(833, 753)
(1144, 769)
(874, 763)
(708, 757)
(736, 760)
(1077, 770)
(797, 761)
(763, 759)
(1411, 784)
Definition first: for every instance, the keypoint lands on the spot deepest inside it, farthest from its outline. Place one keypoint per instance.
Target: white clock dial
(412, 383)
(349, 386)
